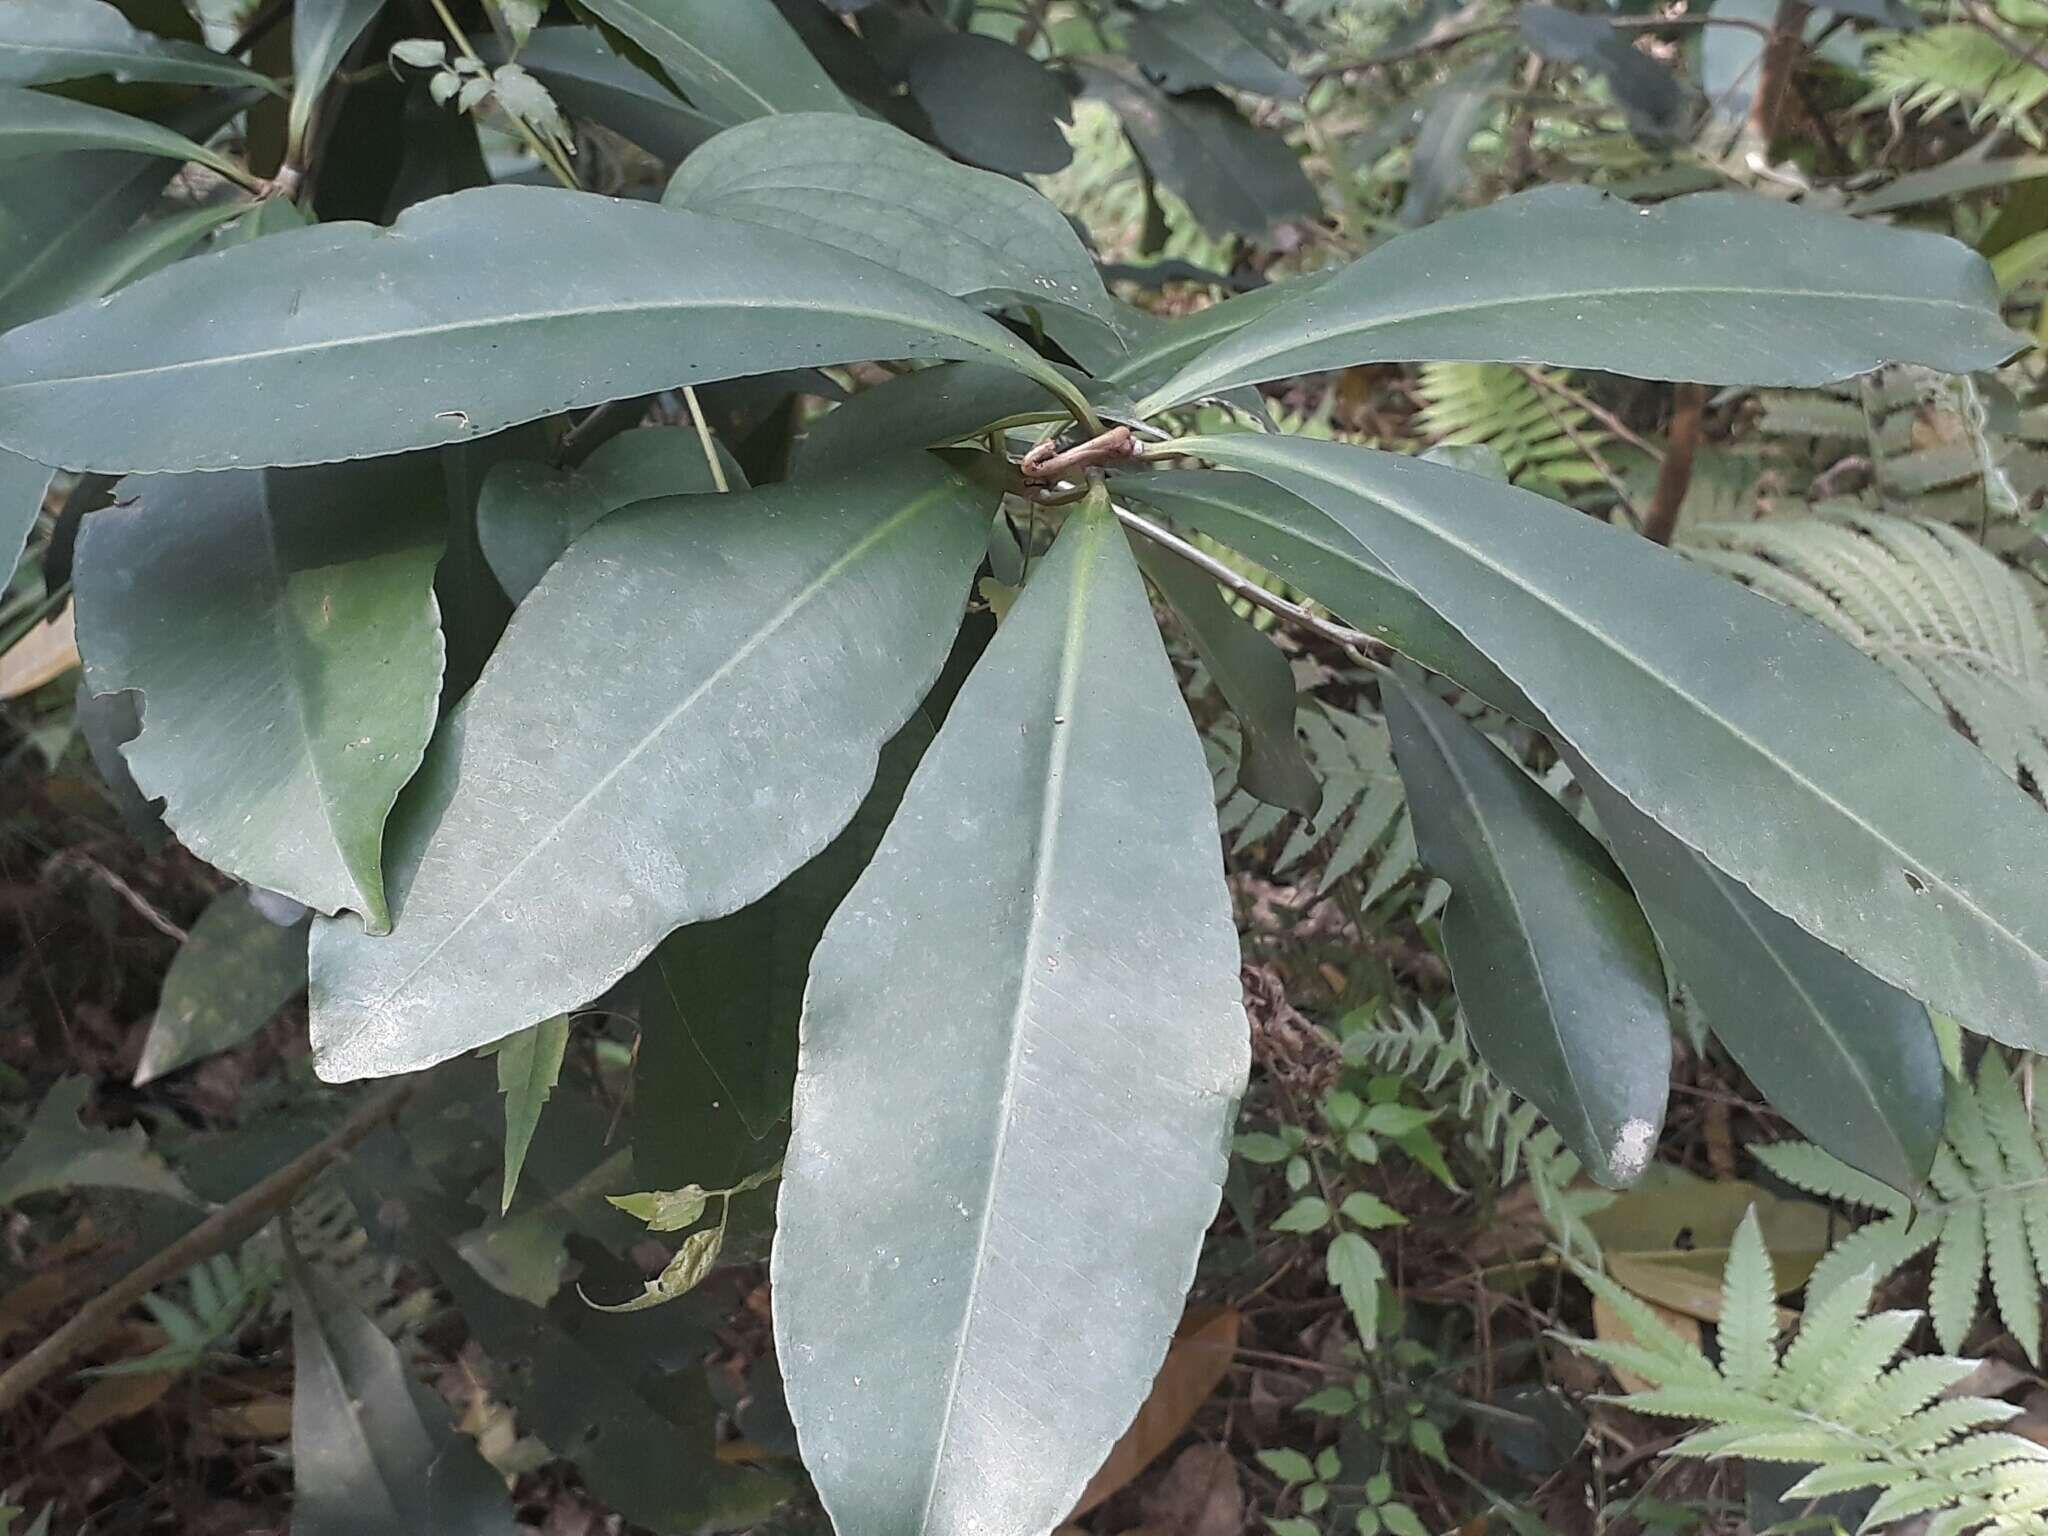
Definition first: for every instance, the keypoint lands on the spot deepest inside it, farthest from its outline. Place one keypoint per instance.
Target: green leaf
(1293, 538)
(617, 773)
(1849, 1060)
(591, 81)
(265, 344)
(1236, 179)
(1309, 1214)
(1355, 1269)
(1647, 667)
(923, 409)
(529, 1066)
(1288, 1466)
(323, 31)
(992, 104)
(1253, 676)
(56, 1152)
(290, 613)
(23, 486)
(682, 1274)
(1370, 1212)
(1749, 1309)
(227, 981)
(873, 190)
(150, 246)
(1721, 287)
(1261, 1147)
(372, 1449)
(1186, 47)
(736, 59)
(528, 513)
(938, 1291)
(735, 985)
(1555, 968)
(43, 42)
(665, 1210)
(34, 124)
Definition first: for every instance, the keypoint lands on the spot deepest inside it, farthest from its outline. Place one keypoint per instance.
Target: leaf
(735, 985)
(289, 612)
(149, 247)
(1196, 1362)
(323, 31)
(1717, 287)
(528, 513)
(1645, 89)
(591, 81)
(1236, 179)
(1440, 162)
(992, 104)
(1648, 669)
(1847, 1059)
(1554, 964)
(529, 1066)
(1185, 47)
(23, 486)
(57, 1152)
(34, 124)
(871, 189)
(653, 299)
(1964, 174)
(1611, 1328)
(938, 1293)
(1253, 676)
(44, 42)
(736, 59)
(227, 981)
(108, 1402)
(1355, 1268)
(1684, 1222)
(682, 1274)
(40, 655)
(921, 409)
(665, 1210)
(372, 1449)
(710, 757)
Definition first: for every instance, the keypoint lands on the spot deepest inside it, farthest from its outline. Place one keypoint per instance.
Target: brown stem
(1781, 58)
(1675, 474)
(1451, 39)
(238, 1219)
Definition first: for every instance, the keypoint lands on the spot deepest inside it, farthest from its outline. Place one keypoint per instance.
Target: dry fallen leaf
(46, 652)
(106, 1401)
(1199, 1496)
(1195, 1362)
(266, 1419)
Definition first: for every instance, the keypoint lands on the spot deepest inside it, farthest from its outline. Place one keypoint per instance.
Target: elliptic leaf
(57, 1152)
(529, 1065)
(475, 312)
(992, 104)
(35, 123)
(686, 708)
(924, 409)
(528, 513)
(1555, 968)
(873, 190)
(1848, 1059)
(372, 1449)
(43, 42)
(23, 486)
(1722, 287)
(281, 628)
(1046, 916)
(323, 31)
(230, 978)
(1253, 676)
(1646, 90)
(1237, 179)
(591, 81)
(1185, 47)
(736, 59)
(1811, 790)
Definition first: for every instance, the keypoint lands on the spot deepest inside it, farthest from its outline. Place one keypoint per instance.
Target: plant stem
(230, 1224)
(542, 152)
(1674, 476)
(704, 437)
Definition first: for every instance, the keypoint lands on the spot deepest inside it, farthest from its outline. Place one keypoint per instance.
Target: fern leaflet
(1530, 427)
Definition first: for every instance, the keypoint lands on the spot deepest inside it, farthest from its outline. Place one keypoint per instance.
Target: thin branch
(1244, 587)
(240, 1218)
(1445, 40)
(704, 438)
(1674, 477)
(73, 858)
(1592, 408)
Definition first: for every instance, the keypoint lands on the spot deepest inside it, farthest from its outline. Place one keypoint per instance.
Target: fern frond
(1929, 71)
(1985, 1211)
(1531, 428)
(1857, 1419)
(1499, 1128)
(1364, 810)
(1950, 620)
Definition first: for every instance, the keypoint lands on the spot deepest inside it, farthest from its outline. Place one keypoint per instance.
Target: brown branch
(1047, 463)
(240, 1218)
(1774, 80)
(1674, 477)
